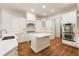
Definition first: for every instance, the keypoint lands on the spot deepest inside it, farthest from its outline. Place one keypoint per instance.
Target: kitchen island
(40, 41)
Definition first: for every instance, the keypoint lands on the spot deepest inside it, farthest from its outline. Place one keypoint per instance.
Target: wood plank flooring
(56, 48)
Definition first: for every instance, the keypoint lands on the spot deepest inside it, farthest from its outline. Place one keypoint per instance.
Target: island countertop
(42, 34)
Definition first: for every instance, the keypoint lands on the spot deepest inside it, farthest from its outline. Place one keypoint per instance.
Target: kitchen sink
(8, 37)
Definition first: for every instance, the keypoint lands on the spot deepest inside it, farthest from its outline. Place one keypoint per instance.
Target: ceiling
(38, 9)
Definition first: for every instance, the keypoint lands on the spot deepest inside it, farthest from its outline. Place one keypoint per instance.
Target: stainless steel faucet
(1, 32)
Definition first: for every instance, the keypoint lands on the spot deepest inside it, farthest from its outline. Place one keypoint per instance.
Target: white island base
(40, 41)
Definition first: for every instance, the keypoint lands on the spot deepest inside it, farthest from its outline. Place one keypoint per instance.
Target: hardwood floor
(56, 48)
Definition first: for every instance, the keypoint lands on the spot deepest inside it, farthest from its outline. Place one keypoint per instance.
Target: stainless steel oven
(69, 32)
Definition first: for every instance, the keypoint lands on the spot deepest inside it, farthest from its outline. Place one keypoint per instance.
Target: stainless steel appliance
(69, 32)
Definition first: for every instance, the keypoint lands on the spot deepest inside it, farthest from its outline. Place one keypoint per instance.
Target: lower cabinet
(13, 52)
(38, 44)
(22, 37)
(77, 41)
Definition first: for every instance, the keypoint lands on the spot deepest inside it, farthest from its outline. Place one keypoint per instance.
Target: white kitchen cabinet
(40, 41)
(69, 43)
(48, 24)
(22, 37)
(38, 25)
(44, 25)
(30, 36)
(77, 36)
(77, 40)
(70, 17)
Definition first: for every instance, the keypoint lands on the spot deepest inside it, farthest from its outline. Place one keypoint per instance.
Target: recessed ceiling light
(44, 6)
(52, 11)
(32, 10)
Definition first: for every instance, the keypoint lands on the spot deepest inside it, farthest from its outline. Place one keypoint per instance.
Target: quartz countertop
(42, 34)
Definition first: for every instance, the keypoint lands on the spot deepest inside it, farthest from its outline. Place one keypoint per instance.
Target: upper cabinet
(69, 17)
(48, 24)
(30, 16)
(38, 25)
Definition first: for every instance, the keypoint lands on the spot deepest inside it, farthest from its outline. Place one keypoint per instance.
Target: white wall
(13, 24)
(6, 19)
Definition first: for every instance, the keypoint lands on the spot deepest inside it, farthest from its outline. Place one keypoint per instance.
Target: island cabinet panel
(40, 43)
